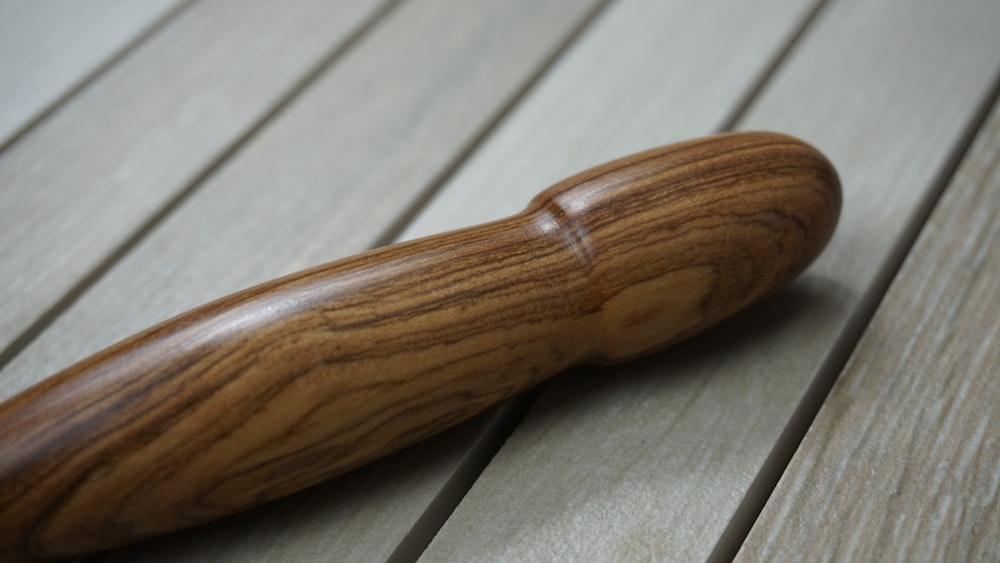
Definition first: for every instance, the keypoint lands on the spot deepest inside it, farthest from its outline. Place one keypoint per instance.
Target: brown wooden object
(282, 386)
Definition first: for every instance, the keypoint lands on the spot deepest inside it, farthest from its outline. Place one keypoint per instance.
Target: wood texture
(277, 388)
(325, 179)
(164, 114)
(901, 462)
(47, 48)
(645, 73)
(653, 459)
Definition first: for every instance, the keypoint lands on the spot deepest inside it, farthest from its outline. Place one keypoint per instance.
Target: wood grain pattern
(47, 48)
(163, 114)
(901, 462)
(670, 70)
(654, 459)
(324, 179)
(274, 389)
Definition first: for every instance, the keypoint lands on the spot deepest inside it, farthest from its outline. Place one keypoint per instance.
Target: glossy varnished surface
(275, 389)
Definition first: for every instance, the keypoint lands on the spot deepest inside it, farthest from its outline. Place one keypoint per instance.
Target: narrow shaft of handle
(287, 384)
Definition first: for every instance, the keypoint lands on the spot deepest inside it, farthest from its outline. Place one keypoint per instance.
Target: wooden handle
(282, 386)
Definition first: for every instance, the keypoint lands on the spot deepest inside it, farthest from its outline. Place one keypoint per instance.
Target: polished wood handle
(282, 386)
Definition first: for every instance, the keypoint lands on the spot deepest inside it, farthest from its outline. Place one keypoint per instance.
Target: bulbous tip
(681, 237)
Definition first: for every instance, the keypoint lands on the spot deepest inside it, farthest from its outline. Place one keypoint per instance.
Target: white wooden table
(157, 154)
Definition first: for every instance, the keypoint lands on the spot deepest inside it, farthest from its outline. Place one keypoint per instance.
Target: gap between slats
(802, 417)
(23, 340)
(89, 77)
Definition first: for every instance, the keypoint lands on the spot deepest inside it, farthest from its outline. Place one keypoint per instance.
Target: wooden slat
(47, 48)
(326, 178)
(82, 181)
(901, 464)
(651, 460)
